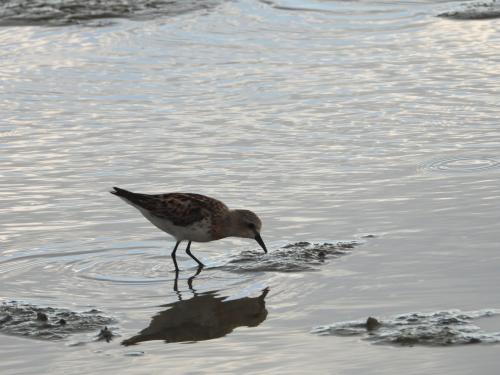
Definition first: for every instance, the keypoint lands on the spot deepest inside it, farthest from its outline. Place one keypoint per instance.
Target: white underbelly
(198, 232)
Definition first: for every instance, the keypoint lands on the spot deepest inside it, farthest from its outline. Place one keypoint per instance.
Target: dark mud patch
(66, 12)
(475, 11)
(297, 257)
(442, 328)
(106, 334)
(47, 323)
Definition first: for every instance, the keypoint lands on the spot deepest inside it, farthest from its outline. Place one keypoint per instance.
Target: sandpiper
(193, 217)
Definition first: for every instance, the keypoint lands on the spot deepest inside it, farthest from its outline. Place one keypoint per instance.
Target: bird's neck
(228, 224)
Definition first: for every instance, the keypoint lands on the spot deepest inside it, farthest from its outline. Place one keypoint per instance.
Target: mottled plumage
(193, 217)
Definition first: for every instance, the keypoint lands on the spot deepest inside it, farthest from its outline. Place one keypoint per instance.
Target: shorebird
(193, 217)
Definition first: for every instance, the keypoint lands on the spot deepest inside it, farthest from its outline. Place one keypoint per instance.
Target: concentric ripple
(118, 264)
(463, 164)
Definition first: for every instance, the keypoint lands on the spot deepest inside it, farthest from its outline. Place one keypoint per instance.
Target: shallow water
(334, 121)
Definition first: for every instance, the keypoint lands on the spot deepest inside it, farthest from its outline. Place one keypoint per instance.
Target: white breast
(198, 232)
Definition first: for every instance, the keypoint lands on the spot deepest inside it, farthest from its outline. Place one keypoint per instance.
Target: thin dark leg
(173, 256)
(188, 252)
(190, 280)
(176, 288)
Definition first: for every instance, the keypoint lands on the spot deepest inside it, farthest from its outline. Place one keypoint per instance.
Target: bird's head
(247, 224)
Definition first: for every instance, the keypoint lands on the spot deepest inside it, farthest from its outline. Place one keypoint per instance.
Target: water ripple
(463, 164)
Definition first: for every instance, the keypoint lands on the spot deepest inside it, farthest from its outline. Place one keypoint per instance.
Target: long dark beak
(258, 238)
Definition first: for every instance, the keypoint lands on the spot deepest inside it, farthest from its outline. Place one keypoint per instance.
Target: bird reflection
(190, 281)
(205, 316)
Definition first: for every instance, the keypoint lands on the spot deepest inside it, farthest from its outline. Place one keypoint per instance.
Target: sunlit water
(367, 122)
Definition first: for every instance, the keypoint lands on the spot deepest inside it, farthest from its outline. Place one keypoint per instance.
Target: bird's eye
(251, 225)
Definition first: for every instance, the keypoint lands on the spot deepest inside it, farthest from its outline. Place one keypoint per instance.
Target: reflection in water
(190, 281)
(206, 316)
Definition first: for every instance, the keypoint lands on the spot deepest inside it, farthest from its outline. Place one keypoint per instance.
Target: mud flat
(296, 257)
(475, 11)
(441, 328)
(59, 13)
(48, 323)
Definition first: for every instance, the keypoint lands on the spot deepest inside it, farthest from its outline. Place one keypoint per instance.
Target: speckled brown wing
(181, 209)
(187, 208)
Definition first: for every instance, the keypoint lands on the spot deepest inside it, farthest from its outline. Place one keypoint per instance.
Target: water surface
(333, 120)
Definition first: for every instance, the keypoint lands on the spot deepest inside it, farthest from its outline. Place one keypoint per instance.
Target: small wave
(462, 164)
(65, 12)
(475, 11)
(48, 323)
(297, 257)
(441, 328)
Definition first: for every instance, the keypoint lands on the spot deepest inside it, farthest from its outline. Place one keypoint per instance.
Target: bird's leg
(176, 288)
(188, 252)
(173, 256)
(190, 280)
